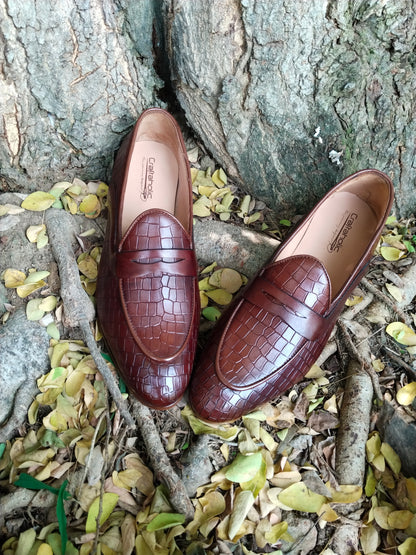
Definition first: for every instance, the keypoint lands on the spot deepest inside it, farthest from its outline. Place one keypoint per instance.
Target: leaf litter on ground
(262, 477)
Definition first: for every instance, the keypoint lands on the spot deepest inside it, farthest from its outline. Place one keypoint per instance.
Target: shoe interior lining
(338, 235)
(152, 181)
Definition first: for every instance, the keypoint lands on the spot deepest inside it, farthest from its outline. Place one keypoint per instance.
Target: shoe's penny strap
(175, 262)
(296, 314)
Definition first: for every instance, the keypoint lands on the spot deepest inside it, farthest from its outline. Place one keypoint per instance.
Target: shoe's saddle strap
(296, 314)
(176, 262)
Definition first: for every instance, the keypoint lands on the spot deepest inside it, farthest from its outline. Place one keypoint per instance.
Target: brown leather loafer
(147, 291)
(271, 336)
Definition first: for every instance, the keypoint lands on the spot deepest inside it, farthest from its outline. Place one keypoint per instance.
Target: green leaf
(60, 513)
(53, 331)
(38, 201)
(297, 496)
(2, 449)
(244, 206)
(370, 483)
(243, 502)
(108, 504)
(50, 439)
(200, 207)
(35, 277)
(409, 246)
(286, 223)
(211, 313)
(276, 532)
(244, 467)
(26, 541)
(33, 312)
(199, 427)
(165, 520)
(209, 268)
(258, 481)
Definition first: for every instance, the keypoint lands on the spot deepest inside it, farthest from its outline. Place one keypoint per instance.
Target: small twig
(352, 312)
(366, 365)
(160, 461)
(88, 461)
(386, 300)
(103, 473)
(400, 361)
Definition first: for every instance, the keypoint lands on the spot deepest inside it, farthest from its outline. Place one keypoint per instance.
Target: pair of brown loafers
(147, 290)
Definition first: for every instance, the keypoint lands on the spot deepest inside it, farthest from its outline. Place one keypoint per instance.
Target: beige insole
(338, 235)
(151, 182)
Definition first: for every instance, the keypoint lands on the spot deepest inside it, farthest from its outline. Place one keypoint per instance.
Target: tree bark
(74, 77)
(292, 96)
(289, 97)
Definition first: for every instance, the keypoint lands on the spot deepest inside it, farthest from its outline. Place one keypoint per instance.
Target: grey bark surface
(288, 97)
(74, 77)
(273, 87)
(23, 358)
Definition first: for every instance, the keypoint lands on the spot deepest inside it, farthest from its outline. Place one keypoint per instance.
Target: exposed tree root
(79, 313)
(362, 355)
(350, 453)
(397, 309)
(22, 400)
(160, 461)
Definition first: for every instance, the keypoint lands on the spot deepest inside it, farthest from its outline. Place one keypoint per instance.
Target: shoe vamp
(259, 344)
(160, 312)
(152, 381)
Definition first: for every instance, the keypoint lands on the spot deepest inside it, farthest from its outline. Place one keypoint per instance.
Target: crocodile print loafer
(147, 291)
(273, 334)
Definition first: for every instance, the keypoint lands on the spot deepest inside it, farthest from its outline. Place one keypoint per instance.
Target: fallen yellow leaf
(38, 201)
(345, 493)
(400, 520)
(395, 292)
(219, 177)
(391, 253)
(90, 206)
(406, 394)
(201, 207)
(32, 232)
(27, 289)
(402, 333)
(300, 498)
(392, 458)
(13, 278)
(408, 547)
(220, 296)
(327, 513)
(109, 502)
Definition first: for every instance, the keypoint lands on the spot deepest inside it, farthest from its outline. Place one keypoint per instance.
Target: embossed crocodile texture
(149, 317)
(267, 341)
(254, 355)
(256, 342)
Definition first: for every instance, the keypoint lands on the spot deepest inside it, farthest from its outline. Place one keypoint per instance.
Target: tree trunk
(289, 97)
(74, 78)
(292, 96)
